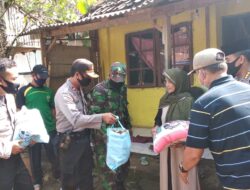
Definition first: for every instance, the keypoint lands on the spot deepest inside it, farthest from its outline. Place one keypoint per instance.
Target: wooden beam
(15, 50)
(141, 15)
(167, 41)
(52, 44)
(182, 6)
(207, 21)
(43, 49)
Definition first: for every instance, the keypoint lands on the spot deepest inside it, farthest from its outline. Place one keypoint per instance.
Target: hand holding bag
(118, 146)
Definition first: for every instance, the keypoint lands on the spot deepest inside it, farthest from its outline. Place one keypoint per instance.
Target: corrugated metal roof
(106, 9)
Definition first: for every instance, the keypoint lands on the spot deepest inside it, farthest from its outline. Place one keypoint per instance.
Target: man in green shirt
(37, 95)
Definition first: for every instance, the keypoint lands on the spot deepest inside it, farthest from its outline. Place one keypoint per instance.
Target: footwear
(37, 187)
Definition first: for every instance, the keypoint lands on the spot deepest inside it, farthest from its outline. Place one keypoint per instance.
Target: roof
(116, 12)
(106, 9)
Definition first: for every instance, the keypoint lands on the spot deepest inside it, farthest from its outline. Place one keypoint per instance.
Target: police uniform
(75, 155)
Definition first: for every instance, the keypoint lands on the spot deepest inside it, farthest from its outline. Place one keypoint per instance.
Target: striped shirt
(220, 120)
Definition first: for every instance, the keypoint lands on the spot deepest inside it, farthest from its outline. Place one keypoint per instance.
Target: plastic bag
(29, 126)
(170, 133)
(118, 146)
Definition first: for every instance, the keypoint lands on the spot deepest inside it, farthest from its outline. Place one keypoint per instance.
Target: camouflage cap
(118, 72)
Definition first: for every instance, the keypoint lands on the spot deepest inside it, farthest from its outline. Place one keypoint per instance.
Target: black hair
(6, 63)
(245, 53)
(80, 65)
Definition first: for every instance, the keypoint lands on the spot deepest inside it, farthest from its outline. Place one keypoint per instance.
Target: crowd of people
(74, 120)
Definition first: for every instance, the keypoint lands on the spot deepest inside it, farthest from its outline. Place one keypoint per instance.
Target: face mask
(40, 82)
(232, 69)
(84, 81)
(11, 88)
(116, 85)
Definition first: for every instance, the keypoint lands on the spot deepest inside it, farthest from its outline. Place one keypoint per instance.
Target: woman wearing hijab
(175, 104)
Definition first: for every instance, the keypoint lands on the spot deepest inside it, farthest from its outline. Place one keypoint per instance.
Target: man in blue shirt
(220, 121)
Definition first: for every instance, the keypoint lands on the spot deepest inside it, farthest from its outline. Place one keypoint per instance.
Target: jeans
(14, 175)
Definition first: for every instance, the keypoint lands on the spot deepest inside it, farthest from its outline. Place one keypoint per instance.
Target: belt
(77, 135)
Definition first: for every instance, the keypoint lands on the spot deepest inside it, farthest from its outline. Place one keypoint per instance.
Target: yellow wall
(143, 102)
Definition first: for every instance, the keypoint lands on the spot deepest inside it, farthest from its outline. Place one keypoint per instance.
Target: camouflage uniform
(107, 98)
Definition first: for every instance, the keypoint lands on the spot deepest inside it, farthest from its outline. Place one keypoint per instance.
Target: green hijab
(182, 86)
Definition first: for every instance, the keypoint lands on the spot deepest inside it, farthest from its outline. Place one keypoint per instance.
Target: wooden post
(43, 49)
(207, 21)
(167, 41)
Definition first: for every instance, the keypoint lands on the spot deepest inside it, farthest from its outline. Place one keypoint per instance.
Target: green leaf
(82, 6)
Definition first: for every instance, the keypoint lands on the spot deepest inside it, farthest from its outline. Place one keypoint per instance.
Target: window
(143, 58)
(235, 28)
(145, 55)
(182, 46)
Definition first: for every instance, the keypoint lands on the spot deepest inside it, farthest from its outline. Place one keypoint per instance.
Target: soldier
(110, 96)
(238, 59)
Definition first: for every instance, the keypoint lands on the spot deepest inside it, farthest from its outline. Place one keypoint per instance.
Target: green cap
(118, 72)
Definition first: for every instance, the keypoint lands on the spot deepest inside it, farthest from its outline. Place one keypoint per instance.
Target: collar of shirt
(221, 80)
(69, 83)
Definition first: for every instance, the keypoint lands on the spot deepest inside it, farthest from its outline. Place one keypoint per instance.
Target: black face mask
(11, 88)
(232, 69)
(84, 81)
(116, 85)
(40, 82)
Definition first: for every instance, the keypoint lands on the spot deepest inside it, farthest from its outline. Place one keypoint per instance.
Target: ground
(146, 177)
(140, 177)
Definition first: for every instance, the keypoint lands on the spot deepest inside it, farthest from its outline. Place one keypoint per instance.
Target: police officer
(110, 96)
(13, 173)
(73, 125)
(238, 59)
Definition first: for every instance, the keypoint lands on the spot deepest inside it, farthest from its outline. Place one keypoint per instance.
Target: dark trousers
(121, 175)
(14, 175)
(35, 157)
(76, 165)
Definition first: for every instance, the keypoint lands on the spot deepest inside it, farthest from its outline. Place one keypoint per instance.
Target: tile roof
(106, 9)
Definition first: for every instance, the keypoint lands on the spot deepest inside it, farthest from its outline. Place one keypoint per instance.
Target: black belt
(76, 135)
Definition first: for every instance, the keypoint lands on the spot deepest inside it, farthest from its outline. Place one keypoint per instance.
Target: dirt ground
(140, 177)
(146, 177)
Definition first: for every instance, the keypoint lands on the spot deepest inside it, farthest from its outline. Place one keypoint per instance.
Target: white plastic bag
(118, 146)
(29, 126)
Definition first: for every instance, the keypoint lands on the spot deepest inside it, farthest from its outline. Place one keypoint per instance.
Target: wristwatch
(182, 169)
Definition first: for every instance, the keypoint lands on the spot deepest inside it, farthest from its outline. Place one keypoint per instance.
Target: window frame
(190, 43)
(156, 57)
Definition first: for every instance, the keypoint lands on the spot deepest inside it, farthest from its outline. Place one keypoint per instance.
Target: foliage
(40, 13)
(43, 12)
(84, 5)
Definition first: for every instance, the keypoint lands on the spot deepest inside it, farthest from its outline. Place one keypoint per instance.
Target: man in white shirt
(13, 174)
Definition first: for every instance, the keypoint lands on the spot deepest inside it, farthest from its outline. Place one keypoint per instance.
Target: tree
(3, 39)
(40, 13)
